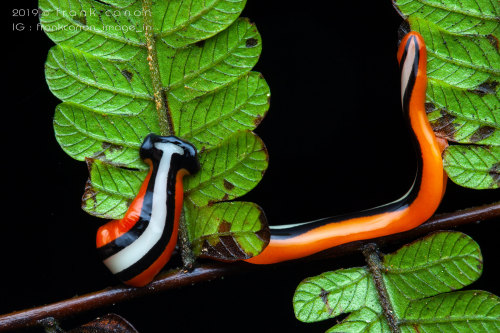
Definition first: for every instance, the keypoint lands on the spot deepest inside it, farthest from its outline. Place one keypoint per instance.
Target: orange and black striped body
(419, 204)
(137, 247)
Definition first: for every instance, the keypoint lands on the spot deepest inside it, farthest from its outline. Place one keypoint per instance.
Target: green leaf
(474, 167)
(462, 105)
(92, 27)
(228, 230)
(113, 29)
(446, 124)
(115, 139)
(209, 66)
(441, 262)
(462, 311)
(112, 189)
(415, 277)
(100, 70)
(241, 105)
(103, 204)
(186, 22)
(228, 171)
(460, 17)
(363, 320)
(333, 293)
(458, 60)
(463, 68)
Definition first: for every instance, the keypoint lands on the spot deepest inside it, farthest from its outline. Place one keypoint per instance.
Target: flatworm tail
(419, 204)
(137, 247)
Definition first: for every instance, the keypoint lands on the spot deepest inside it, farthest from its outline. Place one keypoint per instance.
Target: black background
(337, 144)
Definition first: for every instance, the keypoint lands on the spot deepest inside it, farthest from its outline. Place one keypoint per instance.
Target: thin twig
(180, 278)
(370, 251)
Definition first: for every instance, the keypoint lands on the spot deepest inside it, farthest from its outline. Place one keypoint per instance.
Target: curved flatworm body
(136, 247)
(296, 241)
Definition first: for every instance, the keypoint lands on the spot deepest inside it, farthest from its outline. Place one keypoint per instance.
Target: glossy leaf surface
(100, 70)
(463, 68)
(475, 167)
(229, 230)
(420, 278)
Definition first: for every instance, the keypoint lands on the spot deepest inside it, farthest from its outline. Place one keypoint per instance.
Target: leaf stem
(179, 278)
(187, 256)
(161, 104)
(372, 257)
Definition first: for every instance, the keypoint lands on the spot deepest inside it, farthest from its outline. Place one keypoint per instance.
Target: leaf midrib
(468, 169)
(365, 274)
(107, 190)
(391, 270)
(336, 288)
(211, 123)
(95, 84)
(215, 177)
(448, 320)
(439, 83)
(485, 164)
(455, 10)
(188, 22)
(462, 63)
(89, 134)
(211, 65)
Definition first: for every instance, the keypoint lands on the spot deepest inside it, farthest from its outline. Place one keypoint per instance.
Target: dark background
(337, 144)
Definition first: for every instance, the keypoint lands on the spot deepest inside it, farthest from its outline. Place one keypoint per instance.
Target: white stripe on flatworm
(408, 66)
(138, 249)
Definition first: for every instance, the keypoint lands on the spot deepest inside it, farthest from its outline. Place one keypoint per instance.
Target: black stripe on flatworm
(400, 204)
(156, 250)
(140, 225)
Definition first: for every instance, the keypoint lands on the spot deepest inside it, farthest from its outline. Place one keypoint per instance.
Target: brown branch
(180, 278)
(108, 296)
